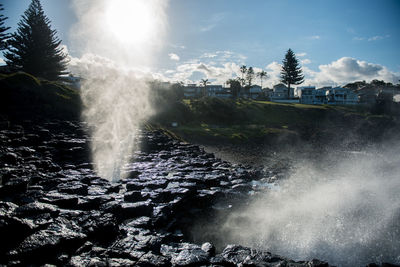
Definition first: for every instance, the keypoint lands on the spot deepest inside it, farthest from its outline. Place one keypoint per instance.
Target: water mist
(118, 40)
(345, 210)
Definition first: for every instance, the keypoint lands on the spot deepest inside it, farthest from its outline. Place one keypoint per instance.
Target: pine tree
(243, 70)
(291, 71)
(3, 35)
(35, 48)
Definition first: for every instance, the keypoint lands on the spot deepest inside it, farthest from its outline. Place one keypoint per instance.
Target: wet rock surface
(55, 210)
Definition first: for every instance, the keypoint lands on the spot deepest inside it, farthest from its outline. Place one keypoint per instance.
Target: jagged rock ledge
(54, 210)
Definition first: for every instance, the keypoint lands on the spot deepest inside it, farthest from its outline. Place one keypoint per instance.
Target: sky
(336, 41)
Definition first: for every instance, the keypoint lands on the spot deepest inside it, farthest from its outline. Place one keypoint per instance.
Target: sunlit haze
(118, 42)
(131, 21)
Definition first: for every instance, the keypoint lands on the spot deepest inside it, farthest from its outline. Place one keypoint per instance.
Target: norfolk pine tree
(291, 72)
(243, 70)
(35, 48)
(3, 35)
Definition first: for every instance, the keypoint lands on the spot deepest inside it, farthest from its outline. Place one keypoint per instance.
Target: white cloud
(339, 72)
(305, 61)
(218, 67)
(213, 21)
(207, 27)
(209, 55)
(64, 49)
(377, 37)
(81, 65)
(217, 74)
(315, 37)
(226, 56)
(303, 54)
(274, 72)
(99, 66)
(346, 69)
(177, 46)
(174, 57)
(372, 38)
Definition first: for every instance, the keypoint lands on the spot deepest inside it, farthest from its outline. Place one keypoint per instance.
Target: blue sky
(335, 40)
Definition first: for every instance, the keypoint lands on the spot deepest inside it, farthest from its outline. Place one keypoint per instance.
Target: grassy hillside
(238, 121)
(23, 96)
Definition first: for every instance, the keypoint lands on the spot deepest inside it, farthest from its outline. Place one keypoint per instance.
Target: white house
(310, 95)
(320, 95)
(280, 92)
(341, 95)
(255, 92)
(327, 95)
(220, 92)
(307, 94)
(213, 90)
(191, 91)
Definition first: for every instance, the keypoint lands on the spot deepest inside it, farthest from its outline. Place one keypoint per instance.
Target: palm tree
(250, 76)
(205, 82)
(243, 70)
(261, 75)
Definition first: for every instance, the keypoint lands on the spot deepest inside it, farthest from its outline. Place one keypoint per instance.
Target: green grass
(245, 120)
(24, 96)
(234, 133)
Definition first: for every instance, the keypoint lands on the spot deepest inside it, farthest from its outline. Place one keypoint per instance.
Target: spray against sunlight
(118, 40)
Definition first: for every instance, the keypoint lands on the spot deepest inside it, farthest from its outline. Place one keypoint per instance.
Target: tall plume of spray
(118, 40)
(345, 210)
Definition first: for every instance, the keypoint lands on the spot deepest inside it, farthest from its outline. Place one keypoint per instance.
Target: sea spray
(115, 106)
(118, 41)
(345, 210)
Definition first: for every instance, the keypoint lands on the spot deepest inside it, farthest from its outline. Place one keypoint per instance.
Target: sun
(130, 21)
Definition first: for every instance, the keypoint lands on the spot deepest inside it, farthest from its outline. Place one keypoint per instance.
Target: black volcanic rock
(61, 235)
(55, 210)
(36, 208)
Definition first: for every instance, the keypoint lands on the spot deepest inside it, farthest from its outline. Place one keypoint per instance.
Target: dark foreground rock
(55, 210)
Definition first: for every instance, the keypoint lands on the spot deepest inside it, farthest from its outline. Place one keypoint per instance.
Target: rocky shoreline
(54, 210)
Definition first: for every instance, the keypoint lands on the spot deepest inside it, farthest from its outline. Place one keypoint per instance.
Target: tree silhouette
(235, 86)
(250, 76)
(261, 75)
(35, 48)
(291, 72)
(204, 82)
(3, 35)
(243, 70)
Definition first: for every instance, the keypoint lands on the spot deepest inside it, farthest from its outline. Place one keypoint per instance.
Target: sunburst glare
(130, 21)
